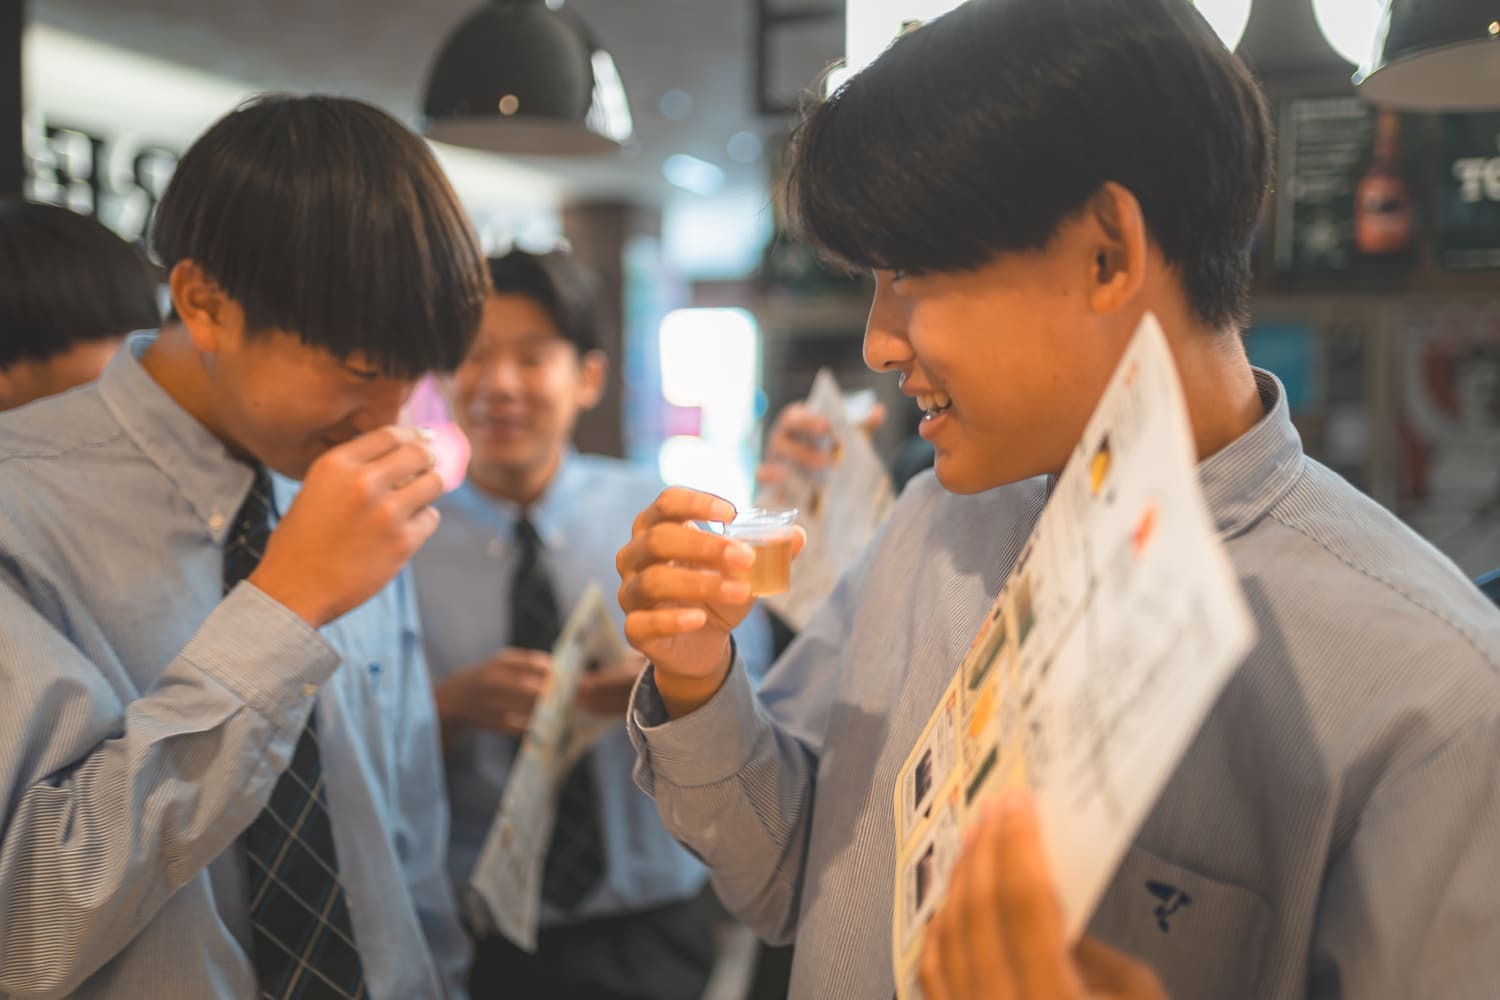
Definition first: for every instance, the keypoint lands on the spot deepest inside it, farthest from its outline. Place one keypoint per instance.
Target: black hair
(557, 283)
(65, 280)
(326, 218)
(983, 131)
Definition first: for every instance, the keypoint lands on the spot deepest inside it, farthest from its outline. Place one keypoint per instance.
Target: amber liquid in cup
(772, 572)
(770, 534)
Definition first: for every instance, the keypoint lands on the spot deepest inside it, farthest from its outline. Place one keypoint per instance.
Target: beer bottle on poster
(1384, 215)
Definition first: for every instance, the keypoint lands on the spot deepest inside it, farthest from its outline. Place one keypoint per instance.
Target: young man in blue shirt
(219, 764)
(532, 527)
(1027, 179)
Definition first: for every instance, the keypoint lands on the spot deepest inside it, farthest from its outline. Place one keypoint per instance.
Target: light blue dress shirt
(145, 719)
(463, 578)
(1332, 832)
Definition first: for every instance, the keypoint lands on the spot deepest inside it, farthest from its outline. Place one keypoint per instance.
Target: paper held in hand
(841, 507)
(506, 886)
(1107, 647)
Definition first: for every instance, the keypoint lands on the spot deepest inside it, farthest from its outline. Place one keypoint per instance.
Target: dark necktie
(303, 942)
(575, 855)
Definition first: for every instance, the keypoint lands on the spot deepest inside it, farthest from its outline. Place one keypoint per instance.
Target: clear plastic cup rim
(760, 522)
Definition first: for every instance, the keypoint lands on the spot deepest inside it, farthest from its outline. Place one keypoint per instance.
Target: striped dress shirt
(145, 718)
(1333, 831)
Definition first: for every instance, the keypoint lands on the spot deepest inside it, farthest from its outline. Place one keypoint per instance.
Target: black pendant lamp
(1436, 55)
(526, 76)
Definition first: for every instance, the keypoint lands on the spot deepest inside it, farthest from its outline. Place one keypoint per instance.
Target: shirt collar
(213, 481)
(548, 515)
(1245, 479)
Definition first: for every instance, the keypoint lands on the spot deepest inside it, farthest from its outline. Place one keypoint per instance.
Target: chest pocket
(1205, 939)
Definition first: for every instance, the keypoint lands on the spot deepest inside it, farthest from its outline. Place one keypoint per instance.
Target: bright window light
(1228, 18)
(708, 357)
(710, 361)
(1350, 26)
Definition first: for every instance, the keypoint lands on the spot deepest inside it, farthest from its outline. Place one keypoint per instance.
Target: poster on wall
(1348, 197)
(1450, 434)
(1468, 215)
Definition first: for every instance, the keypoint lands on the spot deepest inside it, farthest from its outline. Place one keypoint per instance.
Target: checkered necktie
(575, 856)
(304, 945)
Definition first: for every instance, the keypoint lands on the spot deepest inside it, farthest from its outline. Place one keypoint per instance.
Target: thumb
(799, 540)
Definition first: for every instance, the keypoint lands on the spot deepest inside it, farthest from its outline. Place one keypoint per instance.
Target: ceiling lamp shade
(518, 76)
(1436, 55)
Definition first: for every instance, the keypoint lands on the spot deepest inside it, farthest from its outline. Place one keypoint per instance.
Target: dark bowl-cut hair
(981, 132)
(65, 280)
(557, 283)
(326, 218)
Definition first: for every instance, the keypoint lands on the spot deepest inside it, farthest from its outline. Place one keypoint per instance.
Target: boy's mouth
(933, 404)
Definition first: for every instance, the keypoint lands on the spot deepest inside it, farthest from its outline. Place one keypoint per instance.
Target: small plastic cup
(767, 530)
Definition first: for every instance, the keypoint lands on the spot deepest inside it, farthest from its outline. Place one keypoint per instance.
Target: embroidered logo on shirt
(1172, 900)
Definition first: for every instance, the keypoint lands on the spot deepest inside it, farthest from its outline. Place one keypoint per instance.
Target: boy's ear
(1117, 248)
(593, 375)
(210, 316)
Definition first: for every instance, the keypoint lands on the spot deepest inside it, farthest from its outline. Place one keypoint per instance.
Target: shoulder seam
(1390, 585)
(113, 436)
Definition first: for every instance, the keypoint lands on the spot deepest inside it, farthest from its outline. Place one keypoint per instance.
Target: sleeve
(735, 780)
(1412, 907)
(422, 812)
(112, 806)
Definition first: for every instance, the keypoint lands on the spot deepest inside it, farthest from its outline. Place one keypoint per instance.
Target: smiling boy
(1027, 179)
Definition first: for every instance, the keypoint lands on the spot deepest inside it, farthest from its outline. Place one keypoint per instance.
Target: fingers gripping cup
(769, 531)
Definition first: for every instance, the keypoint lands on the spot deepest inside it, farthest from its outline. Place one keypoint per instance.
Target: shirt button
(216, 523)
(497, 547)
(308, 690)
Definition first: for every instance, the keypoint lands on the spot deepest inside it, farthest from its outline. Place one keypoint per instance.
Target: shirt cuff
(710, 745)
(262, 652)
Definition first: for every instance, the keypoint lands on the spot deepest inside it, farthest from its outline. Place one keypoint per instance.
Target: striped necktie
(303, 941)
